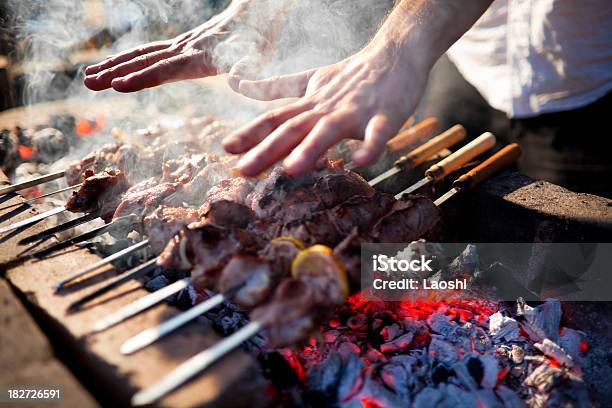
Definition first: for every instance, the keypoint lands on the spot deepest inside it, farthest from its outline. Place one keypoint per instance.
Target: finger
(102, 80)
(278, 144)
(246, 68)
(253, 133)
(379, 130)
(184, 66)
(285, 86)
(324, 135)
(124, 56)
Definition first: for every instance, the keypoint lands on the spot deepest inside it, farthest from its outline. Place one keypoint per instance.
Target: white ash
(542, 321)
(503, 327)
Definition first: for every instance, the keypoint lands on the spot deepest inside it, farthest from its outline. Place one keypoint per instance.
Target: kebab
(123, 157)
(338, 222)
(179, 172)
(377, 216)
(226, 203)
(322, 285)
(215, 265)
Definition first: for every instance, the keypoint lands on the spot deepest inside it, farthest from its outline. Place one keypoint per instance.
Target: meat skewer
(405, 138)
(454, 161)
(31, 200)
(148, 336)
(417, 156)
(97, 188)
(449, 164)
(263, 197)
(204, 359)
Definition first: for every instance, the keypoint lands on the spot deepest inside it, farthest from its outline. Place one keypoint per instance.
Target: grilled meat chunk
(143, 202)
(97, 161)
(329, 227)
(205, 249)
(96, 190)
(287, 198)
(233, 189)
(165, 222)
(410, 218)
(253, 277)
(228, 214)
(250, 275)
(183, 168)
(292, 313)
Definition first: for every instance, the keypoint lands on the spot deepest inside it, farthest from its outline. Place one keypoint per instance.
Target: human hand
(367, 96)
(187, 56)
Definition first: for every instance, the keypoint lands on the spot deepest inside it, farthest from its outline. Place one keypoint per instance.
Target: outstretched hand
(366, 96)
(187, 56)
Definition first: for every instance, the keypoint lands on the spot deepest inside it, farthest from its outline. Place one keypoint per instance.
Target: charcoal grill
(524, 210)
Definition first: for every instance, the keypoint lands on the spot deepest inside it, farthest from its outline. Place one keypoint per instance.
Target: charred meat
(165, 222)
(96, 190)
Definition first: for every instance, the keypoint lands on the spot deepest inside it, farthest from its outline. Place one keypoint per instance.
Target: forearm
(422, 30)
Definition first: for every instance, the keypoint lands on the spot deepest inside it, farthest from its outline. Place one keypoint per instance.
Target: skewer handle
(486, 169)
(450, 137)
(453, 162)
(31, 183)
(412, 135)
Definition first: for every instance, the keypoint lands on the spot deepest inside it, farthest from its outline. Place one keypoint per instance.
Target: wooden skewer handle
(453, 162)
(450, 137)
(486, 169)
(412, 135)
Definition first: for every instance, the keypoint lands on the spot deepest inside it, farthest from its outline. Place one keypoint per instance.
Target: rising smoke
(313, 33)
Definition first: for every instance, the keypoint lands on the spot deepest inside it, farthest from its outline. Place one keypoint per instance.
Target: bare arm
(366, 96)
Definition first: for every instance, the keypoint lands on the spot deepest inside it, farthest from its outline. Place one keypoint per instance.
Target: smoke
(51, 32)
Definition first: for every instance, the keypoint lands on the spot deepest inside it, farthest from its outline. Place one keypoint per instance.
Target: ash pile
(435, 354)
(425, 353)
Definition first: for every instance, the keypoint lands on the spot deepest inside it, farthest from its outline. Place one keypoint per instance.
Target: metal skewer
(31, 183)
(419, 155)
(59, 228)
(117, 223)
(207, 357)
(153, 334)
(140, 305)
(134, 273)
(453, 162)
(59, 285)
(31, 200)
(194, 365)
(32, 220)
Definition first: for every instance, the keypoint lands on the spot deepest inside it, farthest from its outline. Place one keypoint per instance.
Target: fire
(370, 402)
(86, 127)
(26, 152)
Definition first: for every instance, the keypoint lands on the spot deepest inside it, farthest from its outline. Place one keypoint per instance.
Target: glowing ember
(412, 353)
(26, 152)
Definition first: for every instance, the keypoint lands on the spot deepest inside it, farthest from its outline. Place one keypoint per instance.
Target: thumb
(277, 87)
(246, 68)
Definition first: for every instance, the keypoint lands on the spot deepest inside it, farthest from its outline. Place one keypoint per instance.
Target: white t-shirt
(528, 57)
